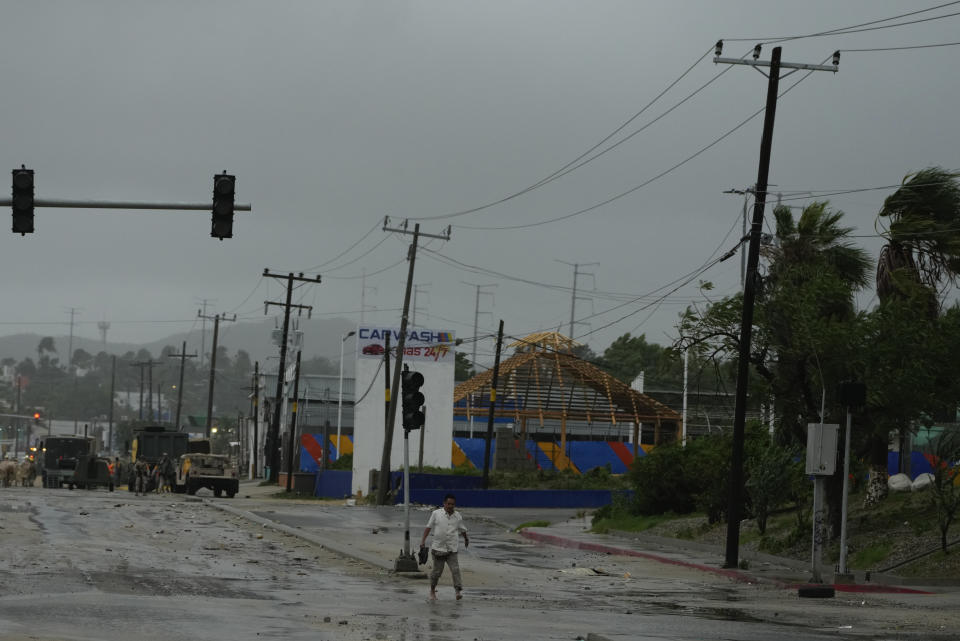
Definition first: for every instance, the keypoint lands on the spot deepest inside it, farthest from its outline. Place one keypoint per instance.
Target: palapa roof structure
(544, 380)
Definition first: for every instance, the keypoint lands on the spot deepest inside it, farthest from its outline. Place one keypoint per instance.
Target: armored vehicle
(93, 471)
(58, 458)
(212, 471)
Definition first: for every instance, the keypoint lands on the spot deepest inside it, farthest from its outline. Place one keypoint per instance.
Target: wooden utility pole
(182, 356)
(493, 404)
(273, 434)
(383, 486)
(293, 425)
(216, 318)
(750, 284)
(149, 365)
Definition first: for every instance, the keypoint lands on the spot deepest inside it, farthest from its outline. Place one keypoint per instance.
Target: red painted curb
(562, 542)
(735, 575)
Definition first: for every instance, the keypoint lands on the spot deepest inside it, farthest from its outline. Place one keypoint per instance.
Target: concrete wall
(369, 413)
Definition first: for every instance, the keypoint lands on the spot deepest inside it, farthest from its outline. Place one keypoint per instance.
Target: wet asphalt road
(99, 565)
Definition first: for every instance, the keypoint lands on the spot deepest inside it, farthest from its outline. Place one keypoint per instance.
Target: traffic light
(412, 399)
(36, 418)
(22, 201)
(224, 188)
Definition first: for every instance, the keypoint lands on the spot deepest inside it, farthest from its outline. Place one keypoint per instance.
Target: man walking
(447, 527)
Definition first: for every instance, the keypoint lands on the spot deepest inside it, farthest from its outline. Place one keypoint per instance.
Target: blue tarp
(918, 464)
(335, 484)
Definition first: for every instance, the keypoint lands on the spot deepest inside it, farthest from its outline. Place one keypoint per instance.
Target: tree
(462, 368)
(628, 355)
(946, 492)
(45, 345)
(920, 260)
(923, 238)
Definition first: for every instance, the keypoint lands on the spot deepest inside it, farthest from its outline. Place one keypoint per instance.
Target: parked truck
(58, 458)
(213, 471)
(150, 443)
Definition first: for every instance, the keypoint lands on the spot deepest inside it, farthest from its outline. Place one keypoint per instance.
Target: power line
(345, 251)
(942, 44)
(849, 28)
(646, 182)
(575, 164)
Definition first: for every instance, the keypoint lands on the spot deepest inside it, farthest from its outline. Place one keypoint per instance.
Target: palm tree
(923, 237)
(815, 240)
(920, 260)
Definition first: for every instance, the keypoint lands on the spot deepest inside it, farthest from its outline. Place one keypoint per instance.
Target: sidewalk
(337, 527)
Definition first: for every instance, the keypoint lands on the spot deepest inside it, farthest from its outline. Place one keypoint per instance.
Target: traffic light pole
(750, 286)
(122, 204)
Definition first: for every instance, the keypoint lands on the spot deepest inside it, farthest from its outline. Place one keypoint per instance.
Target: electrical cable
(842, 30)
(252, 292)
(645, 183)
(345, 251)
(575, 164)
(370, 387)
(942, 44)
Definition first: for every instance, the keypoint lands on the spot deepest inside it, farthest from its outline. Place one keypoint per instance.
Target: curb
(560, 541)
(373, 561)
(735, 575)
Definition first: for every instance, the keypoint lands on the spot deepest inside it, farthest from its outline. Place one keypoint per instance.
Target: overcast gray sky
(335, 114)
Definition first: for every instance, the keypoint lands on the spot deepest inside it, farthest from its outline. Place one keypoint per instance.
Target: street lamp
(340, 397)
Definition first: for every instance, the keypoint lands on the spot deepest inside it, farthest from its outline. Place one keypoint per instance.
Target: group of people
(161, 477)
(13, 473)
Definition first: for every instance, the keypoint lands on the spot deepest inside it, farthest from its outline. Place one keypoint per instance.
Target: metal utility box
(822, 448)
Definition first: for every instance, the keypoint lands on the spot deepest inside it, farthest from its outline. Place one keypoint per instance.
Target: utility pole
(493, 404)
(413, 308)
(384, 481)
(750, 283)
(363, 293)
(743, 235)
(576, 274)
(476, 315)
(72, 311)
(148, 365)
(182, 356)
(203, 325)
(213, 361)
(113, 385)
(255, 412)
(293, 425)
(273, 434)
(70, 369)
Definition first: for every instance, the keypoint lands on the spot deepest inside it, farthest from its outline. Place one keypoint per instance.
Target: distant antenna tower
(103, 326)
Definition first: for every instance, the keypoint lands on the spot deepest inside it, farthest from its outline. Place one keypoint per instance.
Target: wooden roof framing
(544, 380)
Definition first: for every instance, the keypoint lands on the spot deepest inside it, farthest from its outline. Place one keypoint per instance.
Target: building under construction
(547, 394)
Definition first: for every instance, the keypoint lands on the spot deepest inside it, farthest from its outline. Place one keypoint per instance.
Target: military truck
(58, 458)
(151, 443)
(212, 471)
(93, 471)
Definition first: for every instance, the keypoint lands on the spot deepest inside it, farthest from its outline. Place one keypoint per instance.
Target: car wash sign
(421, 344)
